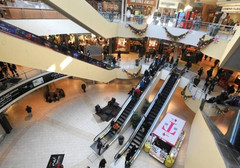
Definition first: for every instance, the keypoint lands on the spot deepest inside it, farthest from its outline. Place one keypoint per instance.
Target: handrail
(22, 34)
(25, 75)
(156, 120)
(136, 106)
(108, 128)
(123, 149)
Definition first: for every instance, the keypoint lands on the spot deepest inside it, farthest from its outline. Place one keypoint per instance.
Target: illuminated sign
(169, 129)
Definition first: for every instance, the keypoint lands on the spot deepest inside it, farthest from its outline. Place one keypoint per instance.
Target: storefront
(167, 8)
(167, 139)
(121, 44)
(139, 10)
(110, 9)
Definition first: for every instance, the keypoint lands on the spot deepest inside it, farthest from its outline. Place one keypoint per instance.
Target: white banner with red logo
(170, 129)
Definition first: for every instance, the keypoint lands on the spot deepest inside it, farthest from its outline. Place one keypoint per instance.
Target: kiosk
(167, 139)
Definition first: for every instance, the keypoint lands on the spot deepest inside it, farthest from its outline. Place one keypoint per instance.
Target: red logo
(169, 129)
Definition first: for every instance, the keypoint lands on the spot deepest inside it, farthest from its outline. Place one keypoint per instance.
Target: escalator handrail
(123, 149)
(156, 119)
(136, 106)
(23, 34)
(108, 128)
(141, 98)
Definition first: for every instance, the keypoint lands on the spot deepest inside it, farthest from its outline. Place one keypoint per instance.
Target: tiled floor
(69, 126)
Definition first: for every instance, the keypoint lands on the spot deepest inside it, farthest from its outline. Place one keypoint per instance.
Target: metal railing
(22, 34)
(9, 81)
(224, 124)
(224, 32)
(29, 13)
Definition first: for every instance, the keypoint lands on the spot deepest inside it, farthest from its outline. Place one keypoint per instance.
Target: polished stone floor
(69, 126)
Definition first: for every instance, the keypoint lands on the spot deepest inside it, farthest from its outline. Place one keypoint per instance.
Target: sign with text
(55, 160)
(142, 2)
(25, 87)
(170, 129)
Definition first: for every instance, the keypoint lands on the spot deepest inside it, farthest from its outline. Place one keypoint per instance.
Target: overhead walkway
(23, 48)
(83, 14)
(152, 115)
(109, 135)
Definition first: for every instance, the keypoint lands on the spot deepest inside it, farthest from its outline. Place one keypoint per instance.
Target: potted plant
(135, 120)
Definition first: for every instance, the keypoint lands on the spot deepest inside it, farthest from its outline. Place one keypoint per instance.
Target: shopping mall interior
(119, 83)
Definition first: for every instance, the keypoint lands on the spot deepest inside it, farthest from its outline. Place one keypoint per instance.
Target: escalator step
(119, 122)
(138, 138)
(136, 142)
(124, 115)
(121, 119)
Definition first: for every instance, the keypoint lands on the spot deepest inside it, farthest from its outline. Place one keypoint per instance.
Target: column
(5, 124)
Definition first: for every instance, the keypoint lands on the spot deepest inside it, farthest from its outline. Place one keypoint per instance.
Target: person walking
(99, 146)
(102, 163)
(209, 72)
(29, 110)
(84, 88)
(13, 68)
(200, 71)
(119, 56)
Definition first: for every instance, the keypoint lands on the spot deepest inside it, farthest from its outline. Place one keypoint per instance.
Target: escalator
(159, 104)
(19, 45)
(109, 135)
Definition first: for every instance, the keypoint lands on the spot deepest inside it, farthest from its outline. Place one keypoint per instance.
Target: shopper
(188, 65)
(84, 88)
(205, 86)
(119, 56)
(99, 146)
(200, 71)
(13, 69)
(216, 62)
(29, 110)
(102, 163)
(209, 72)
(115, 126)
(128, 157)
(133, 151)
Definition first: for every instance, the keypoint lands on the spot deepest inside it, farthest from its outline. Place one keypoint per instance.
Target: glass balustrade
(22, 34)
(9, 81)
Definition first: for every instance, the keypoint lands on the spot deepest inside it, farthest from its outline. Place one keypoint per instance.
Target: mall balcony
(69, 126)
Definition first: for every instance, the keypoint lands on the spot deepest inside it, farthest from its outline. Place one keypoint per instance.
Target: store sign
(142, 2)
(231, 9)
(172, 5)
(111, 6)
(25, 87)
(169, 129)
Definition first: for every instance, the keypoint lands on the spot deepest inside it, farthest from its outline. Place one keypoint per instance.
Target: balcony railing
(224, 124)
(22, 34)
(30, 13)
(25, 74)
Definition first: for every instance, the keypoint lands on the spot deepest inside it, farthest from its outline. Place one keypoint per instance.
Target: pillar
(5, 124)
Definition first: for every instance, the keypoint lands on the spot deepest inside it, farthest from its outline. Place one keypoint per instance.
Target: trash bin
(137, 62)
(120, 139)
